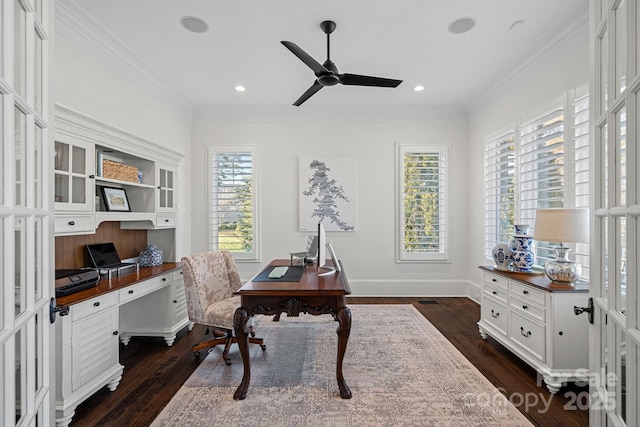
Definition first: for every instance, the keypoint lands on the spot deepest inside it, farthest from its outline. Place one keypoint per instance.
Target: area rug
(401, 370)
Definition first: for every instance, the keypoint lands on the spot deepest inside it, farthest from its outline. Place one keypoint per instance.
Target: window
(422, 220)
(542, 162)
(232, 204)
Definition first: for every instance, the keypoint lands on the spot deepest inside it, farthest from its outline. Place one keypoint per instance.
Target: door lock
(588, 309)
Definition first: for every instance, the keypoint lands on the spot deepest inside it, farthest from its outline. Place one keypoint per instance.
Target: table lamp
(562, 225)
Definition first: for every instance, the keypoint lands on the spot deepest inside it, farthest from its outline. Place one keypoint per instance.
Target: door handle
(588, 309)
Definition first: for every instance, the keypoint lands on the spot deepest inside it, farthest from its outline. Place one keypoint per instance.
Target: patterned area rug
(401, 371)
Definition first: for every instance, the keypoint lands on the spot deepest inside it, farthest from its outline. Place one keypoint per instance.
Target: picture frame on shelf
(115, 199)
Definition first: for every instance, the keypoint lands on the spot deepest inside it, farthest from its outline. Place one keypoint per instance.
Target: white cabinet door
(166, 187)
(94, 346)
(73, 174)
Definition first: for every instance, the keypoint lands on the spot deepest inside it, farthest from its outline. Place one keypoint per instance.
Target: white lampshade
(562, 225)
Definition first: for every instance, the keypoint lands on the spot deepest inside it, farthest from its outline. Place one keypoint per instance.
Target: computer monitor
(322, 255)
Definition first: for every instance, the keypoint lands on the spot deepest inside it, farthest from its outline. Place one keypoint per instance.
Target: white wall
(570, 72)
(92, 89)
(369, 252)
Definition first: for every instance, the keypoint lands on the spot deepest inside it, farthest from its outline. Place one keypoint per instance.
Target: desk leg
(344, 329)
(240, 318)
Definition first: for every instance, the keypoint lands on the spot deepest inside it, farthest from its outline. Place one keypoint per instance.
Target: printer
(70, 281)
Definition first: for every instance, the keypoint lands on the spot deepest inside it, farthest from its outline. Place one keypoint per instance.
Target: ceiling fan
(327, 73)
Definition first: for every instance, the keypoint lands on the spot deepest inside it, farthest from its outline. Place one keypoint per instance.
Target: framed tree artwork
(327, 193)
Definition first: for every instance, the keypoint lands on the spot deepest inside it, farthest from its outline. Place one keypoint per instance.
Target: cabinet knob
(523, 333)
(525, 292)
(130, 291)
(72, 223)
(524, 307)
(96, 304)
(115, 332)
(166, 220)
(175, 301)
(92, 176)
(495, 314)
(164, 279)
(494, 292)
(493, 280)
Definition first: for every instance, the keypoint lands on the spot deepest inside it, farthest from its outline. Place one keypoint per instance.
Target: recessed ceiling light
(194, 24)
(418, 88)
(240, 88)
(461, 25)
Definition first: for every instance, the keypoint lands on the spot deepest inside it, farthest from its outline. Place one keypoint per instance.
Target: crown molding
(563, 39)
(80, 29)
(330, 113)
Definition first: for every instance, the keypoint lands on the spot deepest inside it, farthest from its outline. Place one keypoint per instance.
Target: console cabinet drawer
(528, 334)
(497, 293)
(495, 314)
(496, 281)
(527, 308)
(527, 293)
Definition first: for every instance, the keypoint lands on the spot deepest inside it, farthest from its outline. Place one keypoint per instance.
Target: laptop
(104, 255)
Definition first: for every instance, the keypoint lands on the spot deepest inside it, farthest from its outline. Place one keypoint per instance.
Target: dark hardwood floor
(153, 372)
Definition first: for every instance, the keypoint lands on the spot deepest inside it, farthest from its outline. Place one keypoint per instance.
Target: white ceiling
(402, 39)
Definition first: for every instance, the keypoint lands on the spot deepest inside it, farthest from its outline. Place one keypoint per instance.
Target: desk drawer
(77, 223)
(176, 275)
(143, 288)
(496, 281)
(94, 305)
(166, 220)
(527, 293)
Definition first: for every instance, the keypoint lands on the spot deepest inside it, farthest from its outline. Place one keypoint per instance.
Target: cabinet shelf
(100, 179)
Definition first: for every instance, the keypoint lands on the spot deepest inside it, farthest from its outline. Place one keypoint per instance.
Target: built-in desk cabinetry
(534, 318)
(81, 147)
(150, 302)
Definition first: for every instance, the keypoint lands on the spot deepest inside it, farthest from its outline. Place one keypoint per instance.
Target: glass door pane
(20, 142)
(20, 46)
(621, 47)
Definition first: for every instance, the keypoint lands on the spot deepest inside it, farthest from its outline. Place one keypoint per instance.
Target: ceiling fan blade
(308, 94)
(305, 57)
(358, 80)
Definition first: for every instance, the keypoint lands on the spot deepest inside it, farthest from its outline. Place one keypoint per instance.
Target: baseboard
(414, 288)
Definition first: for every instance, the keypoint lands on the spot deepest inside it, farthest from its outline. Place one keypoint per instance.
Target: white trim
(80, 29)
(445, 199)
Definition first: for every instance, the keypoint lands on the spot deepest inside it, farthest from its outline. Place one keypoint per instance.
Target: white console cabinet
(150, 302)
(534, 318)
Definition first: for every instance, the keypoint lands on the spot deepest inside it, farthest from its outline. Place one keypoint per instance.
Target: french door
(615, 200)
(26, 232)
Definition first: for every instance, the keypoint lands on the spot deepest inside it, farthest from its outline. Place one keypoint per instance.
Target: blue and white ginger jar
(150, 257)
(502, 256)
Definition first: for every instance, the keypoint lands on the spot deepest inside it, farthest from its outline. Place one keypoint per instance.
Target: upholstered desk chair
(210, 279)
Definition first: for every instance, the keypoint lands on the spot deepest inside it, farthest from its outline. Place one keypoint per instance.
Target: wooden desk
(313, 294)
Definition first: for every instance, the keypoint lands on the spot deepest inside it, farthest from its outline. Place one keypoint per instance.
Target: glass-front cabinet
(166, 189)
(73, 174)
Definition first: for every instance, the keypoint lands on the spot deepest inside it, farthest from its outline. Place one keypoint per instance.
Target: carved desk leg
(240, 319)
(344, 329)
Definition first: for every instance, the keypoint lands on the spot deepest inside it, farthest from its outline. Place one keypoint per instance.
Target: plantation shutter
(542, 162)
(232, 205)
(500, 189)
(423, 228)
